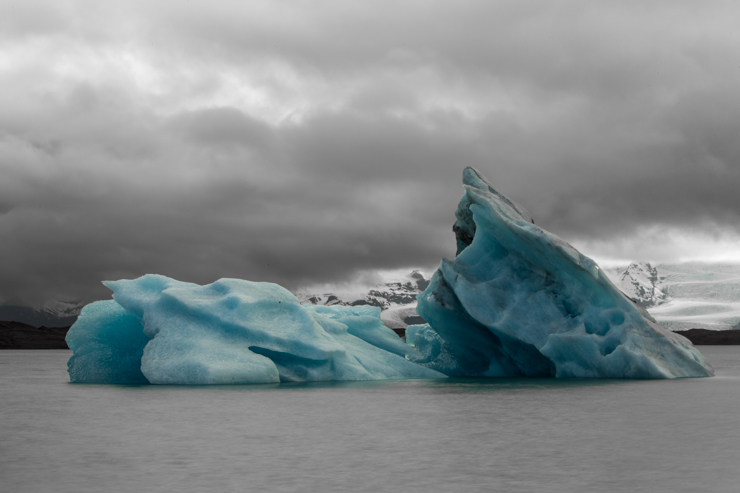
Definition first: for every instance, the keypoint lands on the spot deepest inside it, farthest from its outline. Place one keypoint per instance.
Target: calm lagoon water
(512, 435)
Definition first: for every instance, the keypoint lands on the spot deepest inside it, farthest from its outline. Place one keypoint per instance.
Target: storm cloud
(304, 142)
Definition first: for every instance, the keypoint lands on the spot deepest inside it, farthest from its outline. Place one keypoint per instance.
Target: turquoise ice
(519, 301)
(516, 301)
(163, 331)
(107, 344)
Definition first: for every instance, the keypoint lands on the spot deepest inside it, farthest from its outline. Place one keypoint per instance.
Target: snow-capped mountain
(394, 294)
(679, 296)
(639, 281)
(53, 314)
(390, 292)
(684, 296)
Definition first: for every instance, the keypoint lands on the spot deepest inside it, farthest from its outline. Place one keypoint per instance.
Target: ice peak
(519, 301)
(477, 188)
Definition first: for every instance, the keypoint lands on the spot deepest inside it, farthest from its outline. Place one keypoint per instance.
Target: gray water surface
(508, 435)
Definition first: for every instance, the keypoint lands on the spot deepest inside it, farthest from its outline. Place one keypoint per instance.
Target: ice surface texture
(163, 331)
(519, 301)
(516, 301)
(107, 342)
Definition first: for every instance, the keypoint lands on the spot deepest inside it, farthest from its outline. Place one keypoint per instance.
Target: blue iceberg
(519, 301)
(162, 331)
(515, 301)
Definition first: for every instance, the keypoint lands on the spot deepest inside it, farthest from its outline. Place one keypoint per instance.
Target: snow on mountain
(700, 295)
(639, 281)
(679, 296)
(394, 292)
(684, 296)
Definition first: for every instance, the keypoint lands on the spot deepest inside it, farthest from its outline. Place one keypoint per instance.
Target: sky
(303, 142)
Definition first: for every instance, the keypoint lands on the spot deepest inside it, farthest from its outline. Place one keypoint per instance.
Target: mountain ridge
(53, 314)
(684, 296)
(385, 294)
(679, 296)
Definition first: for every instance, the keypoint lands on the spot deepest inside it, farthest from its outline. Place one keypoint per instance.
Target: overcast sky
(304, 141)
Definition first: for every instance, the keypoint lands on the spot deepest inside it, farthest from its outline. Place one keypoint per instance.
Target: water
(512, 435)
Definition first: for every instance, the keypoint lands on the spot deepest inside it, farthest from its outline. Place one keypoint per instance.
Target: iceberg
(516, 301)
(162, 331)
(519, 301)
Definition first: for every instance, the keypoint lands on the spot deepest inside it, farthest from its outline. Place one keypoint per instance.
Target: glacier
(519, 301)
(162, 331)
(684, 296)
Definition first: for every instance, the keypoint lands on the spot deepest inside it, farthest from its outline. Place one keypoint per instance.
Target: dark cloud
(301, 143)
(223, 127)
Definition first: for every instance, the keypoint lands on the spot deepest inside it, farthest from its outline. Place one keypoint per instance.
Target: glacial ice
(107, 344)
(515, 301)
(519, 301)
(163, 331)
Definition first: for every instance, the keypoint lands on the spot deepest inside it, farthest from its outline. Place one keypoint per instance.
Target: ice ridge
(162, 331)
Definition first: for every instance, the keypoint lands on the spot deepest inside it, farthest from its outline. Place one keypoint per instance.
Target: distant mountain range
(395, 295)
(391, 291)
(55, 314)
(684, 296)
(679, 296)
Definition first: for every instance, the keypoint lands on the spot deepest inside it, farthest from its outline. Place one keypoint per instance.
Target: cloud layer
(301, 142)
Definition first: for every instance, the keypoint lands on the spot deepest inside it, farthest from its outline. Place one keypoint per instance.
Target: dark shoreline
(705, 337)
(17, 335)
(698, 337)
